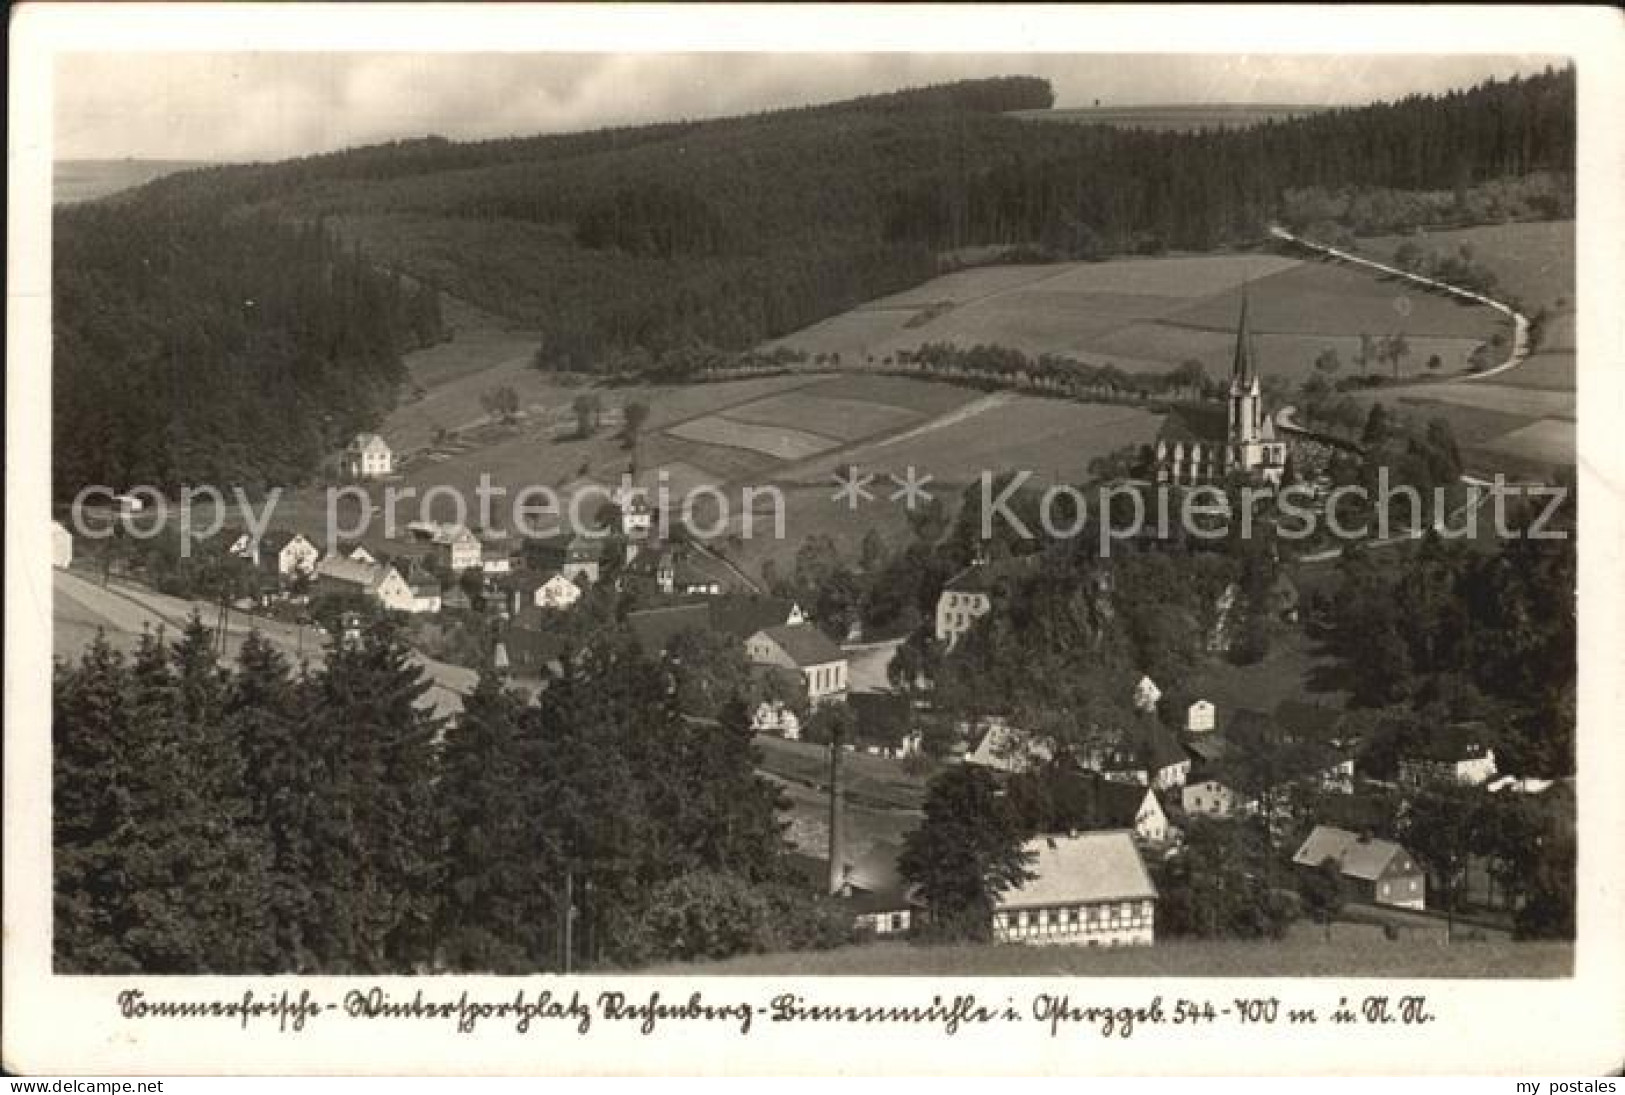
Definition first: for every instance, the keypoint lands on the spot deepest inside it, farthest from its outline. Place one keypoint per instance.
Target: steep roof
(1158, 746)
(1365, 858)
(1117, 805)
(1004, 748)
(1087, 867)
(1454, 742)
(743, 615)
(368, 442)
(655, 628)
(340, 569)
(805, 644)
(1204, 423)
(1242, 367)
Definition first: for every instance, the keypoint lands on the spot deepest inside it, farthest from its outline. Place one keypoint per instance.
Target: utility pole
(569, 916)
(837, 838)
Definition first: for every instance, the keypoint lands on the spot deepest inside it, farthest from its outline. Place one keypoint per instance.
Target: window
(1021, 919)
(896, 922)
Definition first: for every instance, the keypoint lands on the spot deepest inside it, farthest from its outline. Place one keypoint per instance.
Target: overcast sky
(235, 106)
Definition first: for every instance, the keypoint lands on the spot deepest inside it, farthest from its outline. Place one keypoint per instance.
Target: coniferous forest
(192, 345)
(262, 818)
(624, 245)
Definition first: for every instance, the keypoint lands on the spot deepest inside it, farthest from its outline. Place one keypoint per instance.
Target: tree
(588, 408)
(375, 866)
(1321, 889)
(966, 852)
(493, 914)
(1219, 885)
(709, 670)
(1438, 824)
(1394, 349)
(635, 415)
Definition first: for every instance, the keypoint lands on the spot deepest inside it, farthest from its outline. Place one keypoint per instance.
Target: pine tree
(966, 852)
(375, 868)
(91, 811)
(491, 919)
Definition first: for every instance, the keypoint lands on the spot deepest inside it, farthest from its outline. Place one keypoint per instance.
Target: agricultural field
(778, 442)
(1151, 314)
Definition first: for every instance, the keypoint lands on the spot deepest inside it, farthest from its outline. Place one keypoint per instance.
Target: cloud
(255, 105)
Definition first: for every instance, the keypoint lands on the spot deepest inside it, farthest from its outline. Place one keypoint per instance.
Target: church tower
(1246, 411)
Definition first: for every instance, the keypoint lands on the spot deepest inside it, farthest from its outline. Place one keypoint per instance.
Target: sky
(262, 105)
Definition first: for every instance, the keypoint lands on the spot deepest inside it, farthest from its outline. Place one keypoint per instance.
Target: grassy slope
(1356, 950)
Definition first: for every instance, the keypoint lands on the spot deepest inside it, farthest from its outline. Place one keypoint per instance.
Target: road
(127, 609)
(1520, 324)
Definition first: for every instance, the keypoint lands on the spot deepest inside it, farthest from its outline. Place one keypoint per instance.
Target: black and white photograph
(572, 520)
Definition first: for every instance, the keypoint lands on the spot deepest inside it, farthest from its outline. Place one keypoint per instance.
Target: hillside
(623, 243)
(88, 180)
(615, 248)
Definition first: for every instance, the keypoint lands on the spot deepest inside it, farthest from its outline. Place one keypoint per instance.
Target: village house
(355, 553)
(1005, 750)
(1201, 444)
(541, 589)
(1199, 717)
(1379, 872)
(1127, 806)
(382, 583)
(285, 553)
(968, 596)
(61, 546)
(803, 647)
(1459, 753)
(455, 547)
(1207, 795)
(577, 556)
(368, 457)
(425, 591)
(1088, 889)
(1149, 755)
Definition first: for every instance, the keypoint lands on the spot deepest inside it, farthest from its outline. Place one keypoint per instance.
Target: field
(1173, 118)
(1355, 950)
(779, 442)
(1151, 314)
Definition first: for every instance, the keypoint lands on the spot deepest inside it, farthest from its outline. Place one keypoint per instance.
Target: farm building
(61, 546)
(1379, 871)
(1459, 753)
(1088, 889)
(1200, 445)
(455, 546)
(805, 648)
(368, 456)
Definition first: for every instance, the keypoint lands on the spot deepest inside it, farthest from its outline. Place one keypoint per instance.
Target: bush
(706, 914)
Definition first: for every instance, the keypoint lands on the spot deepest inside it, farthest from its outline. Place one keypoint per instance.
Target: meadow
(1151, 314)
(1355, 950)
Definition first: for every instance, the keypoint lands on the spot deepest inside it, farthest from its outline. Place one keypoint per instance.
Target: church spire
(1242, 373)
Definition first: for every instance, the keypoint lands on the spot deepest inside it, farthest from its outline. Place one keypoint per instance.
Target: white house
(1089, 889)
(382, 583)
(1199, 717)
(1379, 871)
(776, 717)
(368, 457)
(548, 589)
(802, 647)
(1132, 807)
(1146, 695)
(1210, 796)
(61, 546)
(458, 548)
(286, 553)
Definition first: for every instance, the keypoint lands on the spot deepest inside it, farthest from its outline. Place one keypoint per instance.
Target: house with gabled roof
(1005, 750)
(968, 595)
(541, 589)
(368, 456)
(803, 647)
(1087, 889)
(1132, 807)
(1378, 871)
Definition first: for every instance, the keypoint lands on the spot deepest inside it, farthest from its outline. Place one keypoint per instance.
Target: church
(1196, 445)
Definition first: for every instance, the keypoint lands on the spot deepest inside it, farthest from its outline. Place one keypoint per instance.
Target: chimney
(837, 820)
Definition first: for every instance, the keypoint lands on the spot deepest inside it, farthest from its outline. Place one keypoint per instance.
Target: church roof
(1202, 423)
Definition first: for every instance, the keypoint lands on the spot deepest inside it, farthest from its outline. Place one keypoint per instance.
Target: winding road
(1520, 323)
